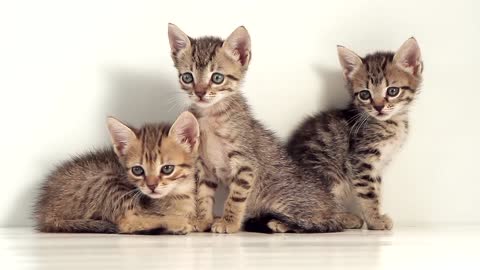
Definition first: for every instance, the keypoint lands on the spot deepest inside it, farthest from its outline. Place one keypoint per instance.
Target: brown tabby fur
(348, 149)
(267, 192)
(98, 193)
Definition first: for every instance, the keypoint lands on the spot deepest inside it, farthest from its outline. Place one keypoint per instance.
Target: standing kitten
(265, 187)
(146, 182)
(348, 149)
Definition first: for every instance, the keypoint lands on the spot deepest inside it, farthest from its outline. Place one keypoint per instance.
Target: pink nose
(152, 187)
(379, 108)
(200, 94)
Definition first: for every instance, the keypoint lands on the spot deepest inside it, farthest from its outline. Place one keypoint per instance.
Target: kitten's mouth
(155, 195)
(202, 102)
(382, 116)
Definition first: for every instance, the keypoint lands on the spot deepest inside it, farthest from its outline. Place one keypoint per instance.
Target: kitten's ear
(178, 39)
(122, 136)
(186, 131)
(349, 60)
(409, 58)
(238, 45)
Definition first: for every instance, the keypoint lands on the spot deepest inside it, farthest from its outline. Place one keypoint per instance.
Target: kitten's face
(383, 84)
(159, 160)
(210, 69)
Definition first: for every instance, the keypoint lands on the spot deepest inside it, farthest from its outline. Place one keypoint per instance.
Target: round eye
(393, 91)
(364, 95)
(167, 169)
(187, 77)
(217, 78)
(138, 171)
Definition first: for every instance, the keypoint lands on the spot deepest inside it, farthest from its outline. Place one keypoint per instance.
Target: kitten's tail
(78, 226)
(261, 224)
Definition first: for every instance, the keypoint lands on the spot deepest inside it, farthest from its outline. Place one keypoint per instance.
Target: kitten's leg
(367, 191)
(342, 192)
(235, 205)
(134, 221)
(205, 199)
(349, 220)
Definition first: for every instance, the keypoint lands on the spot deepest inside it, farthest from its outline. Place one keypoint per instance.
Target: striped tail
(78, 226)
(260, 224)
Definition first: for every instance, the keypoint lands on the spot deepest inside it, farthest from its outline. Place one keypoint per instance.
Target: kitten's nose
(379, 108)
(200, 93)
(152, 187)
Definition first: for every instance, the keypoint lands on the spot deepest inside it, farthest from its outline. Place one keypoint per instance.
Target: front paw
(383, 222)
(223, 226)
(202, 225)
(179, 228)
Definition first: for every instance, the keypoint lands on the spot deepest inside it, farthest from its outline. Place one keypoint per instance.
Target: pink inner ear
(410, 60)
(121, 146)
(242, 52)
(188, 135)
(179, 44)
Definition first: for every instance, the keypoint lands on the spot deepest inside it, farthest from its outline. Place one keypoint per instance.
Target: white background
(66, 65)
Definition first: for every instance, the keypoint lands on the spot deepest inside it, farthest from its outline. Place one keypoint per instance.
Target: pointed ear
(349, 60)
(186, 131)
(178, 39)
(409, 58)
(122, 136)
(238, 45)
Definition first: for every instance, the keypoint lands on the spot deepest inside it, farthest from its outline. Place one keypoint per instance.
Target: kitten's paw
(179, 229)
(223, 226)
(277, 226)
(126, 228)
(383, 222)
(202, 225)
(349, 220)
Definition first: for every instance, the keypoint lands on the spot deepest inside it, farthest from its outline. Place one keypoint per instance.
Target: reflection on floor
(404, 248)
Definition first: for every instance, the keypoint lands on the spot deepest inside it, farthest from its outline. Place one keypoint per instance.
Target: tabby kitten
(348, 149)
(265, 188)
(144, 184)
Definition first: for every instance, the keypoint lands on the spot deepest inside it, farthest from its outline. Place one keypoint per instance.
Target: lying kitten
(266, 189)
(146, 182)
(348, 149)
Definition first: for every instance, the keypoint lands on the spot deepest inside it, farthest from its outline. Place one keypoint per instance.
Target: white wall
(65, 66)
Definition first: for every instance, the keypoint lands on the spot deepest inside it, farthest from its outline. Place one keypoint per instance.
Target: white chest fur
(214, 149)
(388, 148)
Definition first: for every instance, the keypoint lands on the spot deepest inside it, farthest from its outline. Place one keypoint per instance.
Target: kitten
(145, 183)
(266, 190)
(348, 149)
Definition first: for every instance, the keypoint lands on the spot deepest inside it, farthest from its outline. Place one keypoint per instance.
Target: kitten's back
(75, 190)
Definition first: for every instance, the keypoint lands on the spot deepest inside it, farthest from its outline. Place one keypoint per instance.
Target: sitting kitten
(348, 149)
(145, 183)
(266, 189)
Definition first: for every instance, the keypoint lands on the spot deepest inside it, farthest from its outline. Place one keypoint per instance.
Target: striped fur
(348, 149)
(98, 193)
(239, 151)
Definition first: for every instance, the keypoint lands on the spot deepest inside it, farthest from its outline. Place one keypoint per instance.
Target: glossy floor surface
(404, 248)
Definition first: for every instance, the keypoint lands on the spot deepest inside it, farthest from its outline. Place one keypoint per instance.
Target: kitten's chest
(214, 148)
(395, 137)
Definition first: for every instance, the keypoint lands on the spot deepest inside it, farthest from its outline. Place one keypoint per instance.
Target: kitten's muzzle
(379, 108)
(152, 187)
(200, 90)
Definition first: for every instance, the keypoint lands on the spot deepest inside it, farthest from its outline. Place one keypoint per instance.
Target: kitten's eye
(138, 171)
(217, 78)
(393, 91)
(167, 169)
(187, 77)
(364, 95)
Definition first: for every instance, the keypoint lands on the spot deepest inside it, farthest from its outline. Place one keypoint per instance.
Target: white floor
(404, 248)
